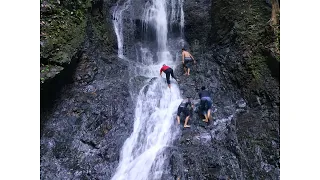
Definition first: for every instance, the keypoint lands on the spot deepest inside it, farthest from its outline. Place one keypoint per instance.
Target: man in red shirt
(169, 71)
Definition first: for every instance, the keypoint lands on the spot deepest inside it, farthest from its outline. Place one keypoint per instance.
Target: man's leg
(205, 108)
(168, 79)
(185, 68)
(201, 109)
(206, 117)
(209, 108)
(186, 122)
(172, 75)
(188, 71)
(178, 119)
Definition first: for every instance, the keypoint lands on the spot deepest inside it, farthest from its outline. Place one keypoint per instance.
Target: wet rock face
(242, 141)
(83, 136)
(86, 71)
(197, 14)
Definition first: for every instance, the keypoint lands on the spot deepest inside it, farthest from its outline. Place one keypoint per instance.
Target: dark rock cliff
(86, 109)
(67, 29)
(238, 61)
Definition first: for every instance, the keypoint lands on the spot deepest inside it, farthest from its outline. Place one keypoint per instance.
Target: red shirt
(164, 68)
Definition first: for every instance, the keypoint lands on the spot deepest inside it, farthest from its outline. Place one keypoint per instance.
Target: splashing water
(142, 156)
(152, 132)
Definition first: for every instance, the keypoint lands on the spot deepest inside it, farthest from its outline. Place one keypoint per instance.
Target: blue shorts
(206, 103)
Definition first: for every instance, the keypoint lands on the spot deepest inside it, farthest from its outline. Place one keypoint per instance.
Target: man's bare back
(186, 54)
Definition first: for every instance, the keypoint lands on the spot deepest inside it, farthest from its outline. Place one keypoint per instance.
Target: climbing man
(205, 103)
(186, 107)
(169, 71)
(187, 61)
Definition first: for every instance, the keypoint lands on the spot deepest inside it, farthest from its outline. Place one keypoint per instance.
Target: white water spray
(177, 13)
(181, 15)
(117, 24)
(142, 156)
(156, 15)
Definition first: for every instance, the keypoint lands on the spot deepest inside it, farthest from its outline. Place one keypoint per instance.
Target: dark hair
(189, 99)
(163, 64)
(183, 49)
(203, 88)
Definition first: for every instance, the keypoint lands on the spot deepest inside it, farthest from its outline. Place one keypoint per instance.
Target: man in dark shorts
(205, 103)
(187, 61)
(169, 71)
(186, 107)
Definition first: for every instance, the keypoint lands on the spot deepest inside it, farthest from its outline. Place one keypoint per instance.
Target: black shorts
(205, 103)
(184, 111)
(187, 62)
(180, 109)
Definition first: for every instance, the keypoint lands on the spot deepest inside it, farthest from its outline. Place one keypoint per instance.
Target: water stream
(142, 154)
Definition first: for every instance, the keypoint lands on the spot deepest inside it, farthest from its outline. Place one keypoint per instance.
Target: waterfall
(177, 13)
(142, 156)
(118, 25)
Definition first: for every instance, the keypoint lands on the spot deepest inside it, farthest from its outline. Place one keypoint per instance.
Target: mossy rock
(63, 27)
(49, 71)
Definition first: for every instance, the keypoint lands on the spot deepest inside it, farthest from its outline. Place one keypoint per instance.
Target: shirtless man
(186, 61)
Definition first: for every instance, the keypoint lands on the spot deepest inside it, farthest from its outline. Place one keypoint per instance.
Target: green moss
(277, 42)
(249, 21)
(102, 33)
(256, 65)
(49, 71)
(63, 25)
(62, 30)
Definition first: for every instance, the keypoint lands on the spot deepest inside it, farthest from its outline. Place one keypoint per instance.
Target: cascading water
(177, 13)
(117, 24)
(142, 154)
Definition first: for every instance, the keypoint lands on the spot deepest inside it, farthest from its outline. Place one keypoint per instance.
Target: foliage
(62, 31)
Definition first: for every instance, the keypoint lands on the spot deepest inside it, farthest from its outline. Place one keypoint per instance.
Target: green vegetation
(277, 41)
(49, 71)
(62, 31)
(254, 32)
(101, 33)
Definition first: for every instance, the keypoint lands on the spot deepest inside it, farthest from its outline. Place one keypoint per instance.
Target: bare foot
(185, 74)
(205, 120)
(186, 126)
